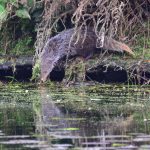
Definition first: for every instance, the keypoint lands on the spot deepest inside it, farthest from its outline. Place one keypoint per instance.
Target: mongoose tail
(113, 45)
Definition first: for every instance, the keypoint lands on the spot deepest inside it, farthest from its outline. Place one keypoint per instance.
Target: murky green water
(103, 117)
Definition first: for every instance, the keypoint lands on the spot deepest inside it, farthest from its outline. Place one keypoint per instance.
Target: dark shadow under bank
(16, 68)
(118, 72)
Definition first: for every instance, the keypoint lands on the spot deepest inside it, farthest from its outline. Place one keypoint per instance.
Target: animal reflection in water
(51, 116)
(53, 125)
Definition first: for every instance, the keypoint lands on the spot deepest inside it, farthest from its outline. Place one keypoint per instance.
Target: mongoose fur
(61, 45)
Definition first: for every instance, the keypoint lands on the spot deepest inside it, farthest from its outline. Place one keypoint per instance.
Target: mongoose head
(46, 68)
(44, 76)
(47, 65)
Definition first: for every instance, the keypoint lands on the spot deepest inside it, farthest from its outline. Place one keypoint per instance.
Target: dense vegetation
(17, 26)
(125, 20)
(26, 24)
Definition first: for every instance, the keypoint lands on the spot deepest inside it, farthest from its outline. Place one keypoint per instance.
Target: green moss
(75, 70)
(22, 47)
(142, 47)
(2, 60)
(36, 71)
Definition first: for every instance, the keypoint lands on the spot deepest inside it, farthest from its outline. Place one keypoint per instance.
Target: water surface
(97, 117)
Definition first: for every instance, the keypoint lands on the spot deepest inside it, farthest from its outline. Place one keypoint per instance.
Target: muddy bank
(120, 70)
(104, 71)
(16, 68)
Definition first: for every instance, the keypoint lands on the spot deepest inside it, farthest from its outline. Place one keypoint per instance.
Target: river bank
(106, 70)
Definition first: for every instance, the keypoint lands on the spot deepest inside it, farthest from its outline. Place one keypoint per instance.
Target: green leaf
(3, 2)
(14, 2)
(31, 3)
(23, 13)
(3, 13)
